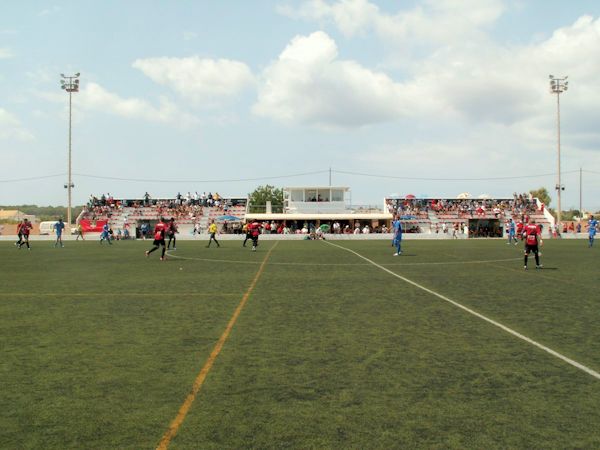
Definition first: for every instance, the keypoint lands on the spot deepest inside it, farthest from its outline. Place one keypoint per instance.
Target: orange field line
(187, 404)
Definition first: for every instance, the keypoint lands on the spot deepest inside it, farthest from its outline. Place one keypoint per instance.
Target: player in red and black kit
(533, 240)
(26, 227)
(171, 230)
(159, 238)
(254, 229)
(520, 229)
(19, 233)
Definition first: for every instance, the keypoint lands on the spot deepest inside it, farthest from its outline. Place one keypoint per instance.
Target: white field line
(433, 263)
(479, 315)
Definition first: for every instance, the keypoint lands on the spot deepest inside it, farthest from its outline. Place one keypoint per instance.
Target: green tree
(571, 214)
(261, 195)
(542, 194)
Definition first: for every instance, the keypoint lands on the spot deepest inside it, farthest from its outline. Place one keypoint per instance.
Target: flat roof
(345, 188)
(320, 216)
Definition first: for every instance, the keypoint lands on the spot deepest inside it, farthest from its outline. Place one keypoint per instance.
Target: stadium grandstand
(192, 213)
(308, 208)
(481, 217)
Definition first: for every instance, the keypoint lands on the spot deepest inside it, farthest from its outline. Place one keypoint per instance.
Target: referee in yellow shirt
(212, 230)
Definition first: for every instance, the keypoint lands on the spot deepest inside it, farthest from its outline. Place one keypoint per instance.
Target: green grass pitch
(99, 346)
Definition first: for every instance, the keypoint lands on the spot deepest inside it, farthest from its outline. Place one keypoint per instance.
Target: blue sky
(424, 97)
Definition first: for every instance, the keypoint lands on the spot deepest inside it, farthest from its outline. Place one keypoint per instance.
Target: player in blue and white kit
(592, 229)
(397, 230)
(512, 231)
(59, 227)
(105, 235)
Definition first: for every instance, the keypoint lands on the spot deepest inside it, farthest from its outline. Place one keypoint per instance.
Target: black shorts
(159, 242)
(531, 248)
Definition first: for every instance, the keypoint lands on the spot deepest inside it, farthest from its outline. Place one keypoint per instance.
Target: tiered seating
(132, 212)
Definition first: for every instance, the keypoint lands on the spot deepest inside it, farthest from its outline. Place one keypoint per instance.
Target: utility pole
(558, 86)
(69, 84)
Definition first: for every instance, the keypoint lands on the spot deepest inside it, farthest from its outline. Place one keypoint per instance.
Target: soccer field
(302, 344)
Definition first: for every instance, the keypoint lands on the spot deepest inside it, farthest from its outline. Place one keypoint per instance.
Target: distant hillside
(45, 212)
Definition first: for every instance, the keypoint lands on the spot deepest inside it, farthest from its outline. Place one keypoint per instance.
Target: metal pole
(580, 190)
(70, 180)
(559, 187)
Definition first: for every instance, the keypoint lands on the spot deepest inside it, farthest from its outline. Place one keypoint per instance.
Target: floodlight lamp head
(551, 77)
(77, 74)
(62, 75)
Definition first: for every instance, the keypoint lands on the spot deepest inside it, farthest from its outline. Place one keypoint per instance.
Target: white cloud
(94, 97)
(309, 84)
(432, 20)
(11, 127)
(198, 79)
(5, 53)
(49, 11)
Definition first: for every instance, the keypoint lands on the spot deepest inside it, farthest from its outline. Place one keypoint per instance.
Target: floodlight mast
(69, 84)
(558, 86)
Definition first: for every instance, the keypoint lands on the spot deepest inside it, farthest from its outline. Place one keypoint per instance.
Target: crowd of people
(465, 207)
(189, 206)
